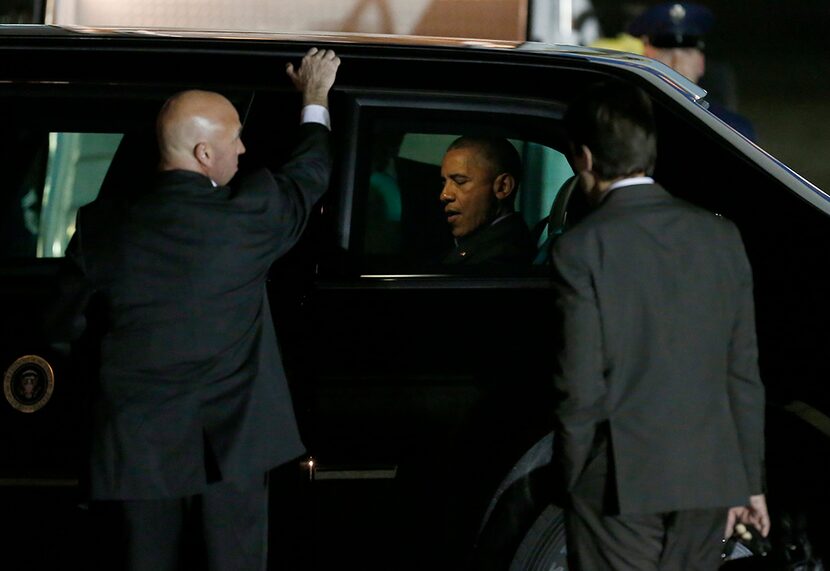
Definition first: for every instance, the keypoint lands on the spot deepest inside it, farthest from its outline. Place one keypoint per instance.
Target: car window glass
(401, 223)
(50, 175)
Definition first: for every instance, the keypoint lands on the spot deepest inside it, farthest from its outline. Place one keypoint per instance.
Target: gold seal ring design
(28, 383)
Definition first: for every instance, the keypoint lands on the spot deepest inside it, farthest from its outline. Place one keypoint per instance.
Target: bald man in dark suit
(192, 405)
(659, 442)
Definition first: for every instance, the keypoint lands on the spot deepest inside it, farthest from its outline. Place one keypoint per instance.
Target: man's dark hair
(499, 152)
(616, 122)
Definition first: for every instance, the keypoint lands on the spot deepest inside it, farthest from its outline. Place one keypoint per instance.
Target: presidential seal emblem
(28, 383)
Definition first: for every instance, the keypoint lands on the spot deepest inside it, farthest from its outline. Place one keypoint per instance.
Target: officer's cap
(673, 25)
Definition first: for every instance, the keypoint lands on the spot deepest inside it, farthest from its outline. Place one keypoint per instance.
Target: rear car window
(50, 176)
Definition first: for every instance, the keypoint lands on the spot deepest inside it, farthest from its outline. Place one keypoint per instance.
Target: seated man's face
(468, 195)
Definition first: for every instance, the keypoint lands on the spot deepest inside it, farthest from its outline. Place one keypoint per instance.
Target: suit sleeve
(746, 391)
(578, 375)
(291, 192)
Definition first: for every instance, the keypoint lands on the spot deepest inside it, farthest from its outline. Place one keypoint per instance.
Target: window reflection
(51, 175)
(77, 165)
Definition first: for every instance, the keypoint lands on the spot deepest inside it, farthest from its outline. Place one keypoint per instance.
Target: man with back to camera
(659, 421)
(480, 178)
(674, 33)
(193, 407)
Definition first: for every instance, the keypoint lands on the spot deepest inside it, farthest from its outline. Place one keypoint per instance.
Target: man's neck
(604, 187)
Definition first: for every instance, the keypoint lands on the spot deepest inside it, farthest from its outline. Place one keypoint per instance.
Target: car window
(50, 175)
(77, 164)
(399, 225)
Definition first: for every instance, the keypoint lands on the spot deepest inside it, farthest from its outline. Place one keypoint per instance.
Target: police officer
(674, 33)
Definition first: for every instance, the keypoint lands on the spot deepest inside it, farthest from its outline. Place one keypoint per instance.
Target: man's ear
(583, 159)
(203, 154)
(504, 185)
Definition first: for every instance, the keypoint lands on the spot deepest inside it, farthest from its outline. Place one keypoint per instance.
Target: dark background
(780, 51)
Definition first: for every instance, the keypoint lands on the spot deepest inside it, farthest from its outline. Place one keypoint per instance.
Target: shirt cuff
(316, 114)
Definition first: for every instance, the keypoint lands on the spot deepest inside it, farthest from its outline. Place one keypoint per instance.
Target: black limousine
(423, 395)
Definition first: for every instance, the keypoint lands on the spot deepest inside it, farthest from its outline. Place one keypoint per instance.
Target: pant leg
(599, 542)
(235, 524)
(153, 534)
(694, 540)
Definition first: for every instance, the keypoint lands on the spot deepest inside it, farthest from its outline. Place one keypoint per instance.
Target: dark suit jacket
(504, 245)
(189, 356)
(659, 351)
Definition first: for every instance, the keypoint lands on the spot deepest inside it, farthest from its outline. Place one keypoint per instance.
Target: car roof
(468, 44)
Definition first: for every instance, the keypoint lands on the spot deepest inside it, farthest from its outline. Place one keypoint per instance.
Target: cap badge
(677, 13)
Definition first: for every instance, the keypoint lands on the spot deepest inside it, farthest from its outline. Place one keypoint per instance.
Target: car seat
(566, 209)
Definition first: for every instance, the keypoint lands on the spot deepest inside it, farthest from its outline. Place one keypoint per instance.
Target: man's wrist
(316, 98)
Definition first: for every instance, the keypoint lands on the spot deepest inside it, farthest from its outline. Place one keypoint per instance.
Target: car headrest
(558, 219)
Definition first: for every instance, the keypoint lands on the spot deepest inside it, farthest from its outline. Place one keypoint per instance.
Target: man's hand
(754, 513)
(315, 76)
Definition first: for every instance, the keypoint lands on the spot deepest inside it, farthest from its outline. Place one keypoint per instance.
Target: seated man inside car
(480, 178)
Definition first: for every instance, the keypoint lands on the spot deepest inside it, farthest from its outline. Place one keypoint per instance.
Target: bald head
(199, 131)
